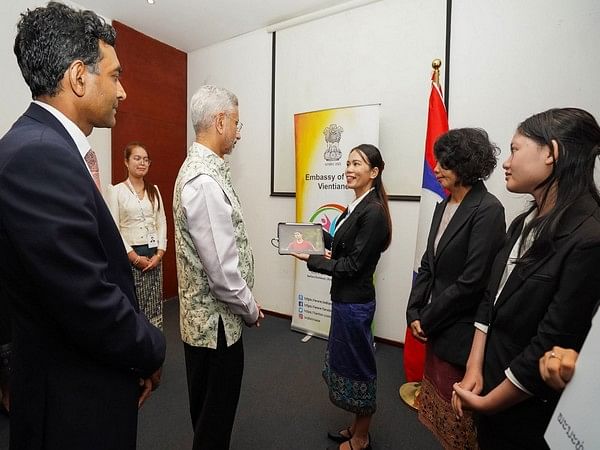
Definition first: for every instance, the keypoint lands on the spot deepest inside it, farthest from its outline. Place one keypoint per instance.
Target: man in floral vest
(215, 269)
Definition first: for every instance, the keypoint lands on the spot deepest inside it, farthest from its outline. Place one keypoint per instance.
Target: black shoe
(337, 436)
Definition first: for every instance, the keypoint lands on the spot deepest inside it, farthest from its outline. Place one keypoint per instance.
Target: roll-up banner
(323, 140)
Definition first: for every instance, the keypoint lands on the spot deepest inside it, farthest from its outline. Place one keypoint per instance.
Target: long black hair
(577, 136)
(372, 156)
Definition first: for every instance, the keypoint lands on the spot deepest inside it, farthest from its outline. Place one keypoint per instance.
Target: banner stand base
(409, 393)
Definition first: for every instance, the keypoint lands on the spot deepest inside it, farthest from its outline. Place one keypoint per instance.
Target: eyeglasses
(238, 125)
(138, 159)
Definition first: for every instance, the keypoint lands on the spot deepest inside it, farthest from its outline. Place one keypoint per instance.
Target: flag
(432, 193)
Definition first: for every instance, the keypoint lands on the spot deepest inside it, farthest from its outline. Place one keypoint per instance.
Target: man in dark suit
(84, 357)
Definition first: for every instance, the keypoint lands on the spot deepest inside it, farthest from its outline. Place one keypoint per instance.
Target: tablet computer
(300, 238)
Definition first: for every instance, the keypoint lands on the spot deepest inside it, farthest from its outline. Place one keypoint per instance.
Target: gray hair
(207, 102)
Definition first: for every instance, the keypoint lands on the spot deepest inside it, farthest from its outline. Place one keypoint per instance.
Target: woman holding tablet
(363, 232)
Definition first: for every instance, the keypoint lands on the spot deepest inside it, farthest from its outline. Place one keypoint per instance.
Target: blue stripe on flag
(430, 182)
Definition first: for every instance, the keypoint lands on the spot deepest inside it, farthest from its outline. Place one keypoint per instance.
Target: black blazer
(455, 277)
(550, 302)
(79, 341)
(356, 248)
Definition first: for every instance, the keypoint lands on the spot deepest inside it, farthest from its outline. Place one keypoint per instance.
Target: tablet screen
(300, 238)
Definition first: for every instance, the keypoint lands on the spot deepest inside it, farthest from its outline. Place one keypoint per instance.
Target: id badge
(152, 240)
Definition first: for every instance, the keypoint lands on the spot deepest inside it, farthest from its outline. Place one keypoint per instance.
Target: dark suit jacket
(550, 302)
(356, 248)
(79, 343)
(457, 274)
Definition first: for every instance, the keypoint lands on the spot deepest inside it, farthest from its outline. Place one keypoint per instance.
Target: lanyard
(132, 190)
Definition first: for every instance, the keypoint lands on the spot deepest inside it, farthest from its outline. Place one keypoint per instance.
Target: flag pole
(435, 65)
(410, 391)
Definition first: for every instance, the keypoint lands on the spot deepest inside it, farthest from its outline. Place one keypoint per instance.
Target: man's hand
(148, 385)
(261, 316)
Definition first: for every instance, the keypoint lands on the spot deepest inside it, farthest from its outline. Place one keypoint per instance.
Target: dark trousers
(214, 378)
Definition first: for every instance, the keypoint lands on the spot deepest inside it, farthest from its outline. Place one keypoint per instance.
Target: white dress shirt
(208, 213)
(515, 253)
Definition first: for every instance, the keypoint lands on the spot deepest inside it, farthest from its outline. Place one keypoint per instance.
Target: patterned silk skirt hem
(435, 408)
(350, 371)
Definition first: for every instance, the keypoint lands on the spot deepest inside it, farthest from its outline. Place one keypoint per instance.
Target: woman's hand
(464, 399)
(417, 331)
(301, 256)
(502, 397)
(472, 382)
(152, 262)
(557, 367)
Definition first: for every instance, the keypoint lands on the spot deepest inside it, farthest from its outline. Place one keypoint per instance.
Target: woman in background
(137, 208)
(544, 282)
(363, 232)
(466, 232)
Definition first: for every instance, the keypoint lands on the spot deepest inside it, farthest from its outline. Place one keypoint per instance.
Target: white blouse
(135, 217)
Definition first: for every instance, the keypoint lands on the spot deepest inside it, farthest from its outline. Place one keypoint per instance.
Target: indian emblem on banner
(333, 135)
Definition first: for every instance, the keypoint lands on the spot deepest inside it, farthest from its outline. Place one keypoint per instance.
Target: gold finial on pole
(436, 64)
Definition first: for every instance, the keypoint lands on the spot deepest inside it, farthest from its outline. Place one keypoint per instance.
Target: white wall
(15, 96)
(243, 65)
(509, 60)
(512, 59)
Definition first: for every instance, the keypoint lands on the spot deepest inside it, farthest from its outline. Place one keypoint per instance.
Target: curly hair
(467, 152)
(50, 38)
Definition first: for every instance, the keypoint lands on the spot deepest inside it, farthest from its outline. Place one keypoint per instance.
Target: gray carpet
(284, 402)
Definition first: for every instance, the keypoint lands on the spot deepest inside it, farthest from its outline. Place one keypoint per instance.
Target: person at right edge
(467, 231)
(544, 282)
(364, 231)
(215, 269)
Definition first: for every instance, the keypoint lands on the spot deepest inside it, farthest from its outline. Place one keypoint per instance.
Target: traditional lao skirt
(435, 407)
(149, 288)
(350, 371)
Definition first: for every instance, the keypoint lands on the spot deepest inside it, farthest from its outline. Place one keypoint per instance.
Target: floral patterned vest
(199, 309)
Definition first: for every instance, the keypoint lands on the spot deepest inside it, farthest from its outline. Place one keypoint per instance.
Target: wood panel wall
(155, 113)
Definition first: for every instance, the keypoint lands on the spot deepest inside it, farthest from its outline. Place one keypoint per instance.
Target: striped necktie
(92, 162)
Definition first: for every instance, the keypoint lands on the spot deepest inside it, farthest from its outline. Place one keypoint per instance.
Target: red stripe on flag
(437, 124)
(414, 358)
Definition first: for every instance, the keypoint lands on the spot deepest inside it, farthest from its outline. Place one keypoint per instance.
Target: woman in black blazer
(363, 232)
(544, 282)
(466, 233)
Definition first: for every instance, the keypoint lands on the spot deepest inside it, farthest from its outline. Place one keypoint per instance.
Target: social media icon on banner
(300, 310)
(300, 297)
(301, 316)
(300, 303)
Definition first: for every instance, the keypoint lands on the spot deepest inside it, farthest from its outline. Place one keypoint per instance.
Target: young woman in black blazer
(466, 232)
(363, 232)
(544, 282)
